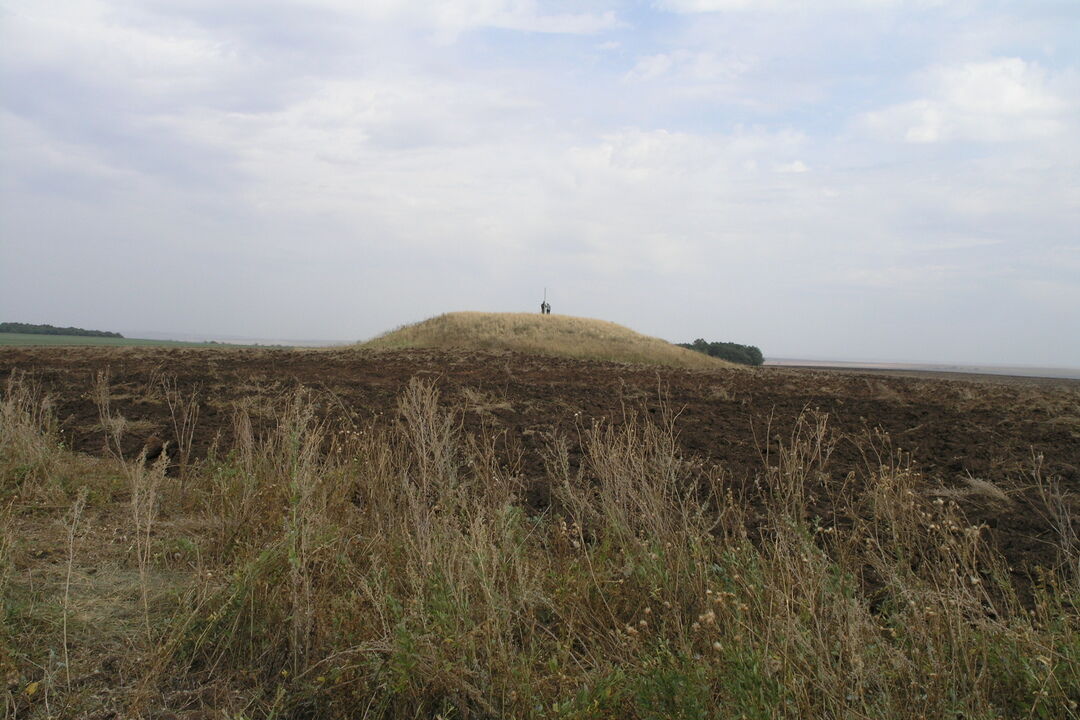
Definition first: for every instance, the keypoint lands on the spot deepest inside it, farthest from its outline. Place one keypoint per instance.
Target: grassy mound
(559, 335)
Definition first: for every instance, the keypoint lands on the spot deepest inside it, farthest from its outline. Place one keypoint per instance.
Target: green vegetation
(734, 352)
(393, 570)
(30, 329)
(556, 335)
(25, 339)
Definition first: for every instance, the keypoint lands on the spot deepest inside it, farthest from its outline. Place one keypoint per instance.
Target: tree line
(734, 352)
(30, 329)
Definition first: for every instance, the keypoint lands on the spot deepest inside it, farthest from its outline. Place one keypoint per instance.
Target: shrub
(733, 352)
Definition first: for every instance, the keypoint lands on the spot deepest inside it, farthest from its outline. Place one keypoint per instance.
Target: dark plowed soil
(954, 429)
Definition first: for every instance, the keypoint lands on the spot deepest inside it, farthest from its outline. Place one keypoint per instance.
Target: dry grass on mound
(559, 335)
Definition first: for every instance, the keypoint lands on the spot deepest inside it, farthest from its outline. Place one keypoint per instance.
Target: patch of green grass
(28, 340)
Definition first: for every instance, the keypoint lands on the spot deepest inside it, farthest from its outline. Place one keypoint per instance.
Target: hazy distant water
(1009, 370)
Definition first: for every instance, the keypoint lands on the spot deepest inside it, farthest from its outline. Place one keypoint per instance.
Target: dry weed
(393, 570)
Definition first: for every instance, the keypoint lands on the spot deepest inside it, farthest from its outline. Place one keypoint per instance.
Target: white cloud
(688, 67)
(906, 277)
(636, 154)
(795, 167)
(994, 101)
(651, 67)
(82, 38)
(33, 157)
(459, 15)
(706, 6)
(1055, 294)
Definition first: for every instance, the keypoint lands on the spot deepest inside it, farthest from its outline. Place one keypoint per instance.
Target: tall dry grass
(74, 516)
(30, 443)
(395, 570)
(557, 335)
(9, 671)
(415, 582)
(184, 412)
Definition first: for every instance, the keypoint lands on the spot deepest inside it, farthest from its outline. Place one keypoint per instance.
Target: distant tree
(29, 329)
(733, 352)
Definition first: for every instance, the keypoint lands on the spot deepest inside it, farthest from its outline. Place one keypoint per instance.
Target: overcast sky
(866, 179)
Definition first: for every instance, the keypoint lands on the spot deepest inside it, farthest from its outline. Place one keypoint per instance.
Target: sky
(843, 179)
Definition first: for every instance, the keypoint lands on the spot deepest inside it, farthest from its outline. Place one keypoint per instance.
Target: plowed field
(955, 430)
